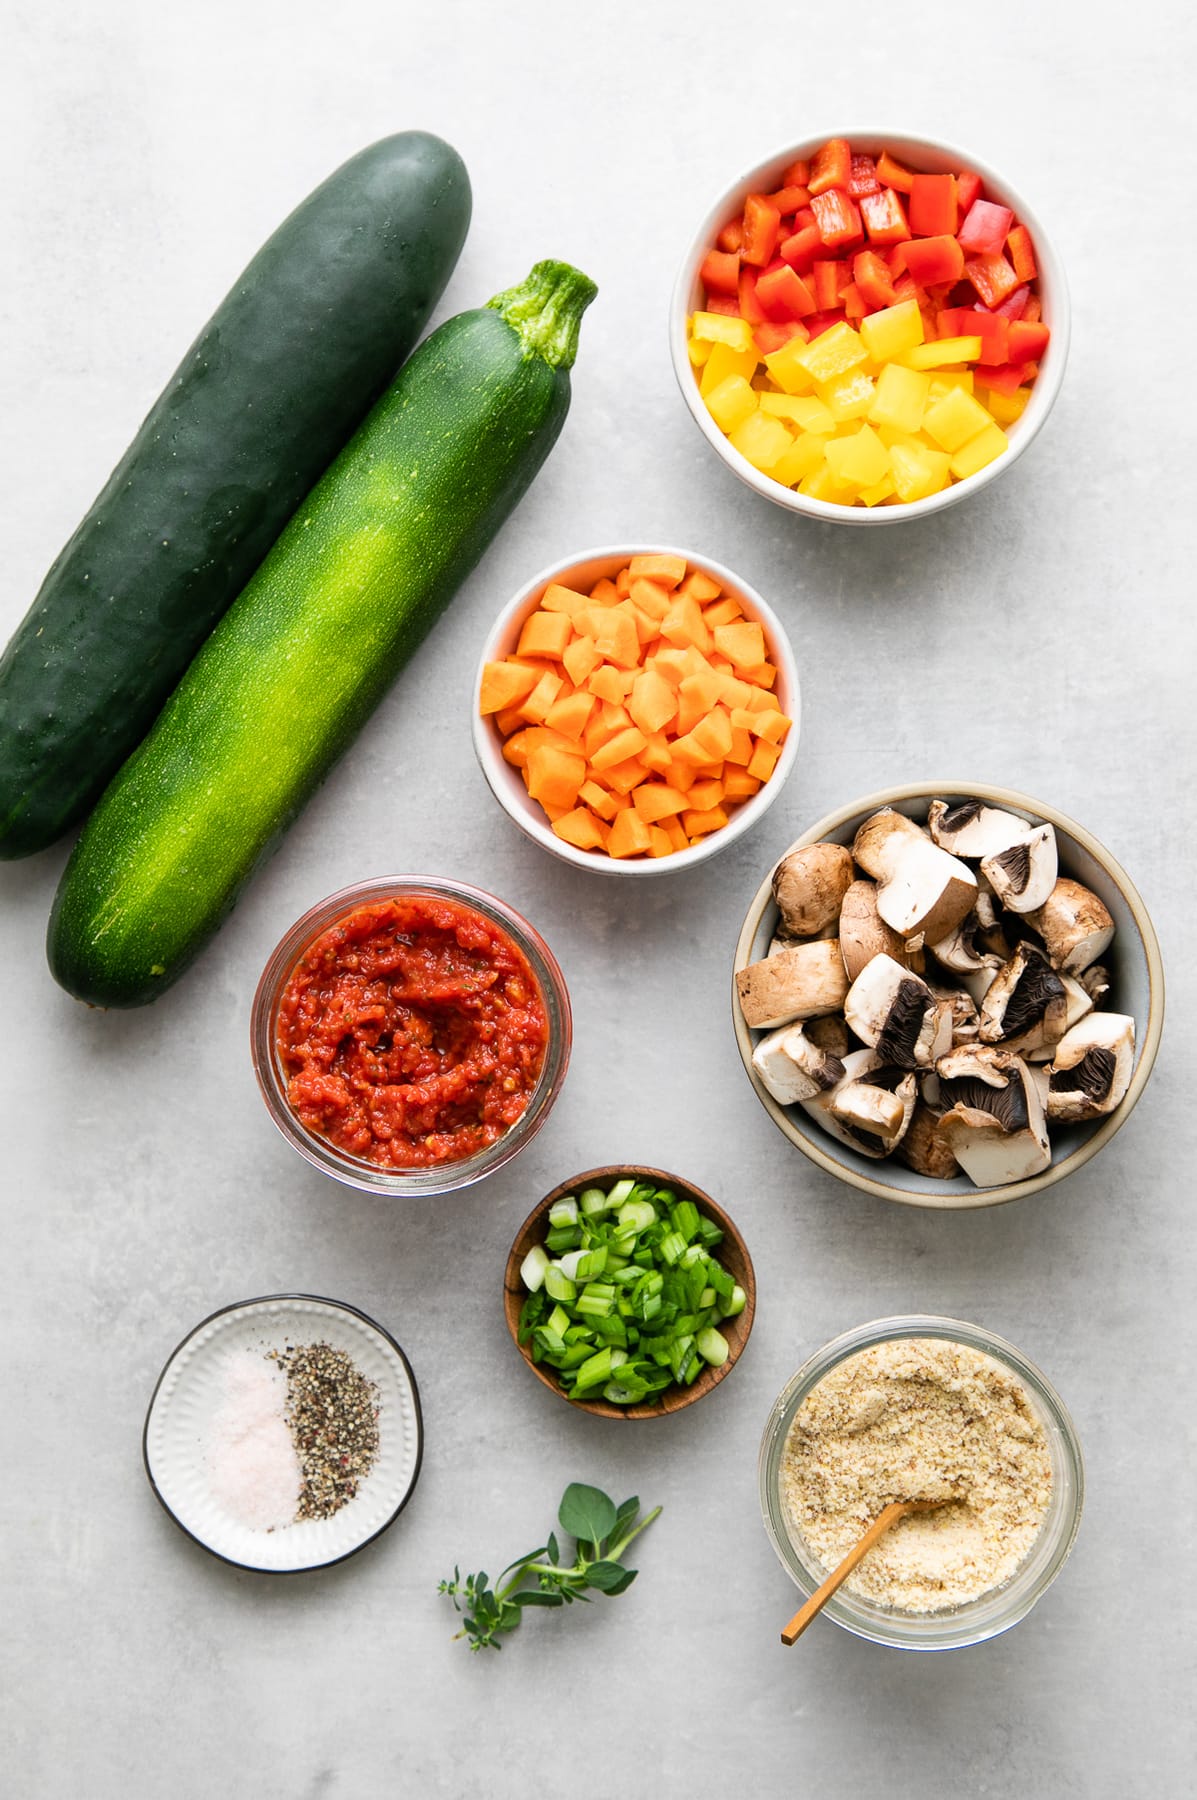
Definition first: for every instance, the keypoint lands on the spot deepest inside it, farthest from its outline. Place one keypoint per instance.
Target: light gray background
(1040, 635)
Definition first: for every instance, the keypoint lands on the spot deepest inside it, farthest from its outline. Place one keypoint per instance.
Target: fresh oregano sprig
(601, 1532)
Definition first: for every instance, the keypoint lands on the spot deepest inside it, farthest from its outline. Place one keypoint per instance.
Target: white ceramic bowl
(507, 784)
(929, 156)
(1136, 987)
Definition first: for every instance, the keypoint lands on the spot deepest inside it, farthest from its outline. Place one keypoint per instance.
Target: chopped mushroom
(1096, 982)
(870, 1125)
(1074, 925)
(994, 1125)
(1024, 873)
(798, 983)
(921, 890)
(971, 828)
(894, 1012)
(793, 1068)
(1092, 1067)
(923, 1150)
(1026, 1005)
(809, 887)
(864, 934)
(830, 1033)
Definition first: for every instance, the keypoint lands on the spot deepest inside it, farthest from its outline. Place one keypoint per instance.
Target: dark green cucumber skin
(275, 384)
(301, 659)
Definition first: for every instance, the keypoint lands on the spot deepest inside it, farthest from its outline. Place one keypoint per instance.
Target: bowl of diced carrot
(636, 708)
(869, 327)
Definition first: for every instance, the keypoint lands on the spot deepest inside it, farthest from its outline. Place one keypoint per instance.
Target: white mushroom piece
(1024, 873)
(971, 828)
(1092, 1067)
(870, 1108)
(922, 891)
(894, 1012)
(923, 1150)
(994, 1125)
(796, 983)
(1025, 1007)
(1074, 925)
(864, 934)
(958, 952)
(809, 887)
(793, 1068)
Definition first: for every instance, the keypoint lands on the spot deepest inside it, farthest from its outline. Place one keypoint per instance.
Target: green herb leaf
(536, 1597)
(625, 1514)
(608, 1577)
(552, 1547)
(586, 1513)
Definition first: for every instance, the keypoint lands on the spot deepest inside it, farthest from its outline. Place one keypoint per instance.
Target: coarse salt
(250, 1457)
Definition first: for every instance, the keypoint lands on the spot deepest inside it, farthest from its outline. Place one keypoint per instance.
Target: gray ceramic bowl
(1137, 988)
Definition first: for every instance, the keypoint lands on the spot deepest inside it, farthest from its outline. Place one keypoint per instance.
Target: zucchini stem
(545, 311)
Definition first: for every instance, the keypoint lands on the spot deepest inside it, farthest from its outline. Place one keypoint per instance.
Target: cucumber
(278, 380)
(307, 650)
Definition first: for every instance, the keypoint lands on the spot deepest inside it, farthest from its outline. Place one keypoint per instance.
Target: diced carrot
(580, 659)
(722, 612)
(762, 676)
(772, 726)
(684, 623)
(617, 749)
(582, 829)
(741, 748)
(670, 664)
(624, 776)
(569, 714)
(696, 696)
(764, 760)
(700, 587)
(558, 599)
(647, 628)
(656, 800)
(705, 794)
(702, 823)
(660, 567)
(651, 597)
(713, 735)
(509, 720)
(659, 843)
(743, 642)
(605, 591)
(550, 809)
(681, 774)
(653, 702)
(544, 634)
(655, 754)
(616, 638)
(611, 684)
(598, 799)
(536, 707)
(503, 685)
(629, 835)
(673, 831)
(738, 784)
(554, 776)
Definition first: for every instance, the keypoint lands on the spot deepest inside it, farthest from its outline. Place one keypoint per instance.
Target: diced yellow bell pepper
(823, 485)
(731, 403)
(761, 440)
(832, 353)
(847, 396)
(720, 328)
(978, 451)
(698, 351)
(804, 410)
(791, 376)
(802, 459)
(881, 490)
(891, 332)
(724, 361)
(917, 472)
(861, 459)
(944, 380)
(943, 352)
(1007, 407)
(900, 398)
(955, 419)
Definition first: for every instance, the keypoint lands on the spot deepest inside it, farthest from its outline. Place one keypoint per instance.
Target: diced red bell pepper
(832, 166)
(853, 302)
(871, 276)
(731, 237)
(1009, 377)
(838, 219)
(968, 189)
(933, 205)
(957, 321)
(932, 259)
(984, 231)
(801, 249)
(723, 303)
(884, 218)
(992, 277)
(804, 218)
(784, 295)
(787, 200)
(863, 179)
(797, 175)
(892, 174)
(827, 285)
(993, 331)
(820, 322)
(720, 272)
(1028, 341)
(750, 307)
(762, 223)
(770, 338)
(1022, 253)
(1033, 310)
(1015, 304)
(907, 288)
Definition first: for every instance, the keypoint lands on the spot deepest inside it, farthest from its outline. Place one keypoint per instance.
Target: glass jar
(436, 1178)
(975, 1620)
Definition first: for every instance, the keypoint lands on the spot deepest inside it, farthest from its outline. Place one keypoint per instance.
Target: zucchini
(310, 646)
(278, 380)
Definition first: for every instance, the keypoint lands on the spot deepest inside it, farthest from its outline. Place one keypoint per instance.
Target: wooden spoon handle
(822, 1595)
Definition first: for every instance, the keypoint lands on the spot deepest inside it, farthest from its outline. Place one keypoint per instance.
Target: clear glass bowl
(441, 1178)
(1002, 1606)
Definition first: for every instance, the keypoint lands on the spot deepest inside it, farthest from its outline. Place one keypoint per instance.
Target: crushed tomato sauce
(411, 1032)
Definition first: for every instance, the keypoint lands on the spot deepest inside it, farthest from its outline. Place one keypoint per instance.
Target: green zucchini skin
(295, 668)
(275, 384)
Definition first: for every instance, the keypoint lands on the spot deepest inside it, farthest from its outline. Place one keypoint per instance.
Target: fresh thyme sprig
(602, 1533)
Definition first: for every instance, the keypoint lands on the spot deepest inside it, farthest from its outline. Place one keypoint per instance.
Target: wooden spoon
(898, 1509)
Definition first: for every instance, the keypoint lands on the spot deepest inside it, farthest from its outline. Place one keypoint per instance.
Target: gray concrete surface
(1040, 636)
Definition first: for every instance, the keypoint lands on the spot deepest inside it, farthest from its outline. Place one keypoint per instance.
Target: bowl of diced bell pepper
(869, 327)
(636, 709)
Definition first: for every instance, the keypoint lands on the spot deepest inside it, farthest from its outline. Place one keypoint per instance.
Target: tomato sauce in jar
(411, 1032)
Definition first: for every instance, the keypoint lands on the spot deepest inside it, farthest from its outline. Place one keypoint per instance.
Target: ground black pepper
(332, 1415)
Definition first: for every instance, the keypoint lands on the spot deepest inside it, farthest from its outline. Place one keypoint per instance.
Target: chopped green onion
(638, 1214)
(557, 1285)
(712, 1347)
(564, 1212)
(532, 1269)
(619, 1194)
(562, 1237)
(736, 1304)
(558, 1321)
(593, 1201)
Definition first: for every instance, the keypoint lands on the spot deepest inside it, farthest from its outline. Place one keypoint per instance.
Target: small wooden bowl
(732, 1253)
